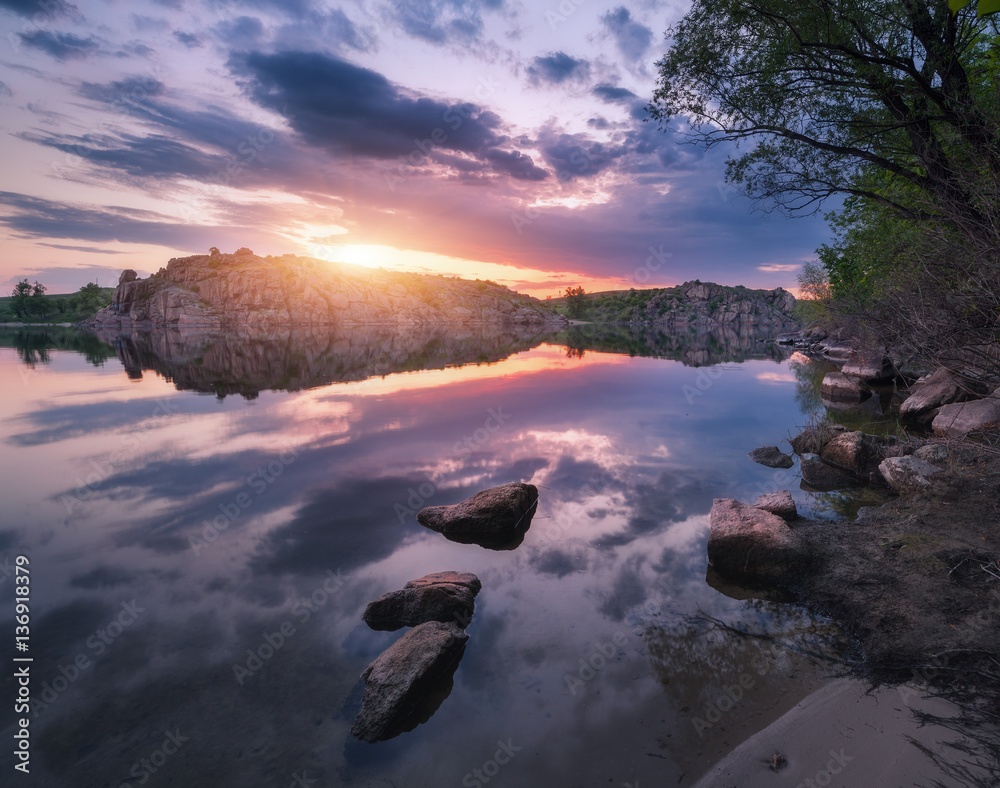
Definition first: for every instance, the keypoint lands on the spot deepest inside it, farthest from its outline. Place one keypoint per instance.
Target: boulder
(750, 545)
(442, 596)
(779, 503)
(772, 457)
(495, 515)
(908, 474)
(838, 387)
(128, 275)
(403, 676)
(243, 252)
(962, 417)
(869, 366)
(856, 453)
(821, 476)
(927, 395)
(933, 453)
(812, 439)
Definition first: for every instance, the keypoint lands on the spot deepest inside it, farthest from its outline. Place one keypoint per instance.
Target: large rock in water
(772, 457)
(753, 546)
(869, 366)
(403, 675)
(942, 388)
(838, 387)
(812, 439)
(962, 417)
(497, 515)
(442, 596)
(858, 454)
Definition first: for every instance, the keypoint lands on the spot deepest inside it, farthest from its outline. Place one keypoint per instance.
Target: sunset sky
(492, 138)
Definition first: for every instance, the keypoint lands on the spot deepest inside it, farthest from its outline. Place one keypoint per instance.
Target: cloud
(612, 95)
(443, 21)
(190, 40)
(575, 156)
(632, 38)
(558, 67)
(352, 111)
(5, 92)
(61, 46)
(82, 249)
(45, 8)
(779, 268)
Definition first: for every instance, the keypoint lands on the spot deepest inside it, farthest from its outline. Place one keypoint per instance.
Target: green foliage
(983, 7)
(576, 305)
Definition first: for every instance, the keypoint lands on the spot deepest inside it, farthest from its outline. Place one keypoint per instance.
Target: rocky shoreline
(916, 580)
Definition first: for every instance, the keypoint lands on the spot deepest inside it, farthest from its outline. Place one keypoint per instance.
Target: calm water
(593, 652)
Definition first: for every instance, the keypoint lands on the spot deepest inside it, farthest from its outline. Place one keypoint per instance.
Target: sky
(492, 139)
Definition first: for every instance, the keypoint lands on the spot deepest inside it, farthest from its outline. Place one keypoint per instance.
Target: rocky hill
(697, 303)
(224, 290)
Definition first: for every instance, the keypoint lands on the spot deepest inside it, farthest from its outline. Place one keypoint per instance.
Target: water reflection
(223, 520)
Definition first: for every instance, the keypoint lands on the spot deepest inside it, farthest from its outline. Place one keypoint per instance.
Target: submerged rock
(751, 545)
(772, 457)
(962, 417)
(838, 387)
(779, 503)
(908, 474)
(822, 476)
(491, 517)
(403, 676)
(442, 596)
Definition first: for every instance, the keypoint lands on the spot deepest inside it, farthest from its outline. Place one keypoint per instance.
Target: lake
(206, 518)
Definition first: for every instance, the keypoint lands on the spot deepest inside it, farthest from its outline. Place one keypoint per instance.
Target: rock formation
(779, 503)
(402, 677)
(243, 289)
(442, 596)
(748, 544)
(772, 457)
(495, 517)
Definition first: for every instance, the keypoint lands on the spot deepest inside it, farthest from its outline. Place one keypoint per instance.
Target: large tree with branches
(826, 92)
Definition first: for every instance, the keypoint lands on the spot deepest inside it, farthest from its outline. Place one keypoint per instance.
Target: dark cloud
(558, 563)
(90, 249)
(515, 164)
(102, 577)
(44, 8)
(353, 111)
(632, 38)
(39, 218)
(61, 46)
(575, 156)
(240, 32)
(558, 67)
(611, 94)
(443, 21)
(189, 40)
(5, 91)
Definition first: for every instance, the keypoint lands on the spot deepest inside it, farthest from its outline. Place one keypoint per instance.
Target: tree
(830, 91)
(19, 298)
(213, 252)
(814, 283)
(90, 298)
(576, 306)
(983, 7)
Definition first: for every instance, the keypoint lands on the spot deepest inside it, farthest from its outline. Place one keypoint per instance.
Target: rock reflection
(246, 360)
(692, 346)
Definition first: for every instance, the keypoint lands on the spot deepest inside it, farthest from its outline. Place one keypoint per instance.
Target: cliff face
(697, 303)
(243, 289)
